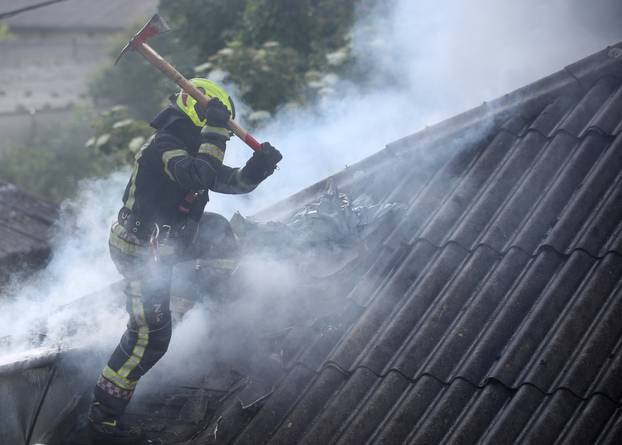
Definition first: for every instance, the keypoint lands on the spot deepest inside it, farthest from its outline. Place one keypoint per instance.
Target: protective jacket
(172, 175)
(164, 201)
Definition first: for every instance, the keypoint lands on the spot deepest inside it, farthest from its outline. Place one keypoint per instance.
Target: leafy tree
(311, 27)
(289, 23)
(203, 24)
(52, 164)
(118, 136)
(134, 83)
(333, 20)
(237, 37)
(275, 51)
(267, 75)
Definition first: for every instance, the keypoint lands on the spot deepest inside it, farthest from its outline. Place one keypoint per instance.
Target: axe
(157, 26)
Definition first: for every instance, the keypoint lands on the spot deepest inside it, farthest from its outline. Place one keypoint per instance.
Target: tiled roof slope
(25, 228)
(489, 313)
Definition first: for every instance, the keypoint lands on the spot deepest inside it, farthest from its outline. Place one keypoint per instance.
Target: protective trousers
(146, 339)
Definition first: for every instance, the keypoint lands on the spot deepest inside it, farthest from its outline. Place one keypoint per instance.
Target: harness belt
(134, 225)
(159, 238)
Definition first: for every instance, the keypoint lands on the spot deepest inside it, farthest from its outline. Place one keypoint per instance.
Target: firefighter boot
(105, 428)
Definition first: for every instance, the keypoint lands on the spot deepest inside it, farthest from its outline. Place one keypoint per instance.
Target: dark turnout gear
(177, 162)
(162, 205)
(148, 332)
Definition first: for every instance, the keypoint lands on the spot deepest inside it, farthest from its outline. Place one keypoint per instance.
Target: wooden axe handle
(169, 70)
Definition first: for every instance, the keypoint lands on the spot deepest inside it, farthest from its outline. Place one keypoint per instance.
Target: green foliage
(311, 27)
(289, 23)
(266, 75)
(274, 51)
(136, 84)
(206, 25)
(238, 37)
(118, 136)
(52, 164)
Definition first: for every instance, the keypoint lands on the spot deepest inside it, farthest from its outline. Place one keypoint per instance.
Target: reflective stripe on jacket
(175, 161)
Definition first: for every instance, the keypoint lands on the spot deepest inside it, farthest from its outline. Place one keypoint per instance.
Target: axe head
(155, 26)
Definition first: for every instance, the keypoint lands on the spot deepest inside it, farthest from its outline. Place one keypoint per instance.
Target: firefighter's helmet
(189, 105)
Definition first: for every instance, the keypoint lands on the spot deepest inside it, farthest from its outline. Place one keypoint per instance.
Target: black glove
(262, 164)
(216, 113)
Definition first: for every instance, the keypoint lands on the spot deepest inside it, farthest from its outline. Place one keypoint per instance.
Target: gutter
(33, 358)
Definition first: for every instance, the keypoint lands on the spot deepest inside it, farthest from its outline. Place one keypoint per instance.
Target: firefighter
(162, 206)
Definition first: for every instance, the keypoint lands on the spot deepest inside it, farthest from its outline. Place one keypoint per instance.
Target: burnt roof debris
(485, 310)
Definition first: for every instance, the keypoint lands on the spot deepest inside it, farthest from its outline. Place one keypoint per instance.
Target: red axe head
(155, 26)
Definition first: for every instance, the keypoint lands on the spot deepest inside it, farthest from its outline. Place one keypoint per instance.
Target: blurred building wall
(50, 54)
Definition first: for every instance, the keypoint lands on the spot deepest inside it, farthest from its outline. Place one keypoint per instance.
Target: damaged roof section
(464, 285)
(486, 311)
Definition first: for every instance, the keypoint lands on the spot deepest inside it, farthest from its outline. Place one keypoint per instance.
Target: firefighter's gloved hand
(269, 153)
(216, 113)
(262, 164)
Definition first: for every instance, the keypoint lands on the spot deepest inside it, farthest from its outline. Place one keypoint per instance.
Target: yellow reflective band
(167, 156)
(127, 247)
(133, 288)
(220, 131)
(141, 343)
(119, 381)
(131, 197)
(137, 250)
(222, 263)
(212, 150)
(166, 250)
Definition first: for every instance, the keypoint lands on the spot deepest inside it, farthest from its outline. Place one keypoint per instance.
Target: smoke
(266, 293)
(33, 311)
(425, 60)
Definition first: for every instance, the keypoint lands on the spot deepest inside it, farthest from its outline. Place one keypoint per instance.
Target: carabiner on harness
(153, 242)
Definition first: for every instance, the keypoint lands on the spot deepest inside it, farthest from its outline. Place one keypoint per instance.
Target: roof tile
(552, 115)
(577, 121)
(488, 311)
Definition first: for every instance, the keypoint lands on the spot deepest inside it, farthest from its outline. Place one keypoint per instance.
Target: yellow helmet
(188, 104)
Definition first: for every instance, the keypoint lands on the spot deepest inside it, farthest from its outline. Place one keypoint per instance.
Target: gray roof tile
(25, 224)
(488, 311)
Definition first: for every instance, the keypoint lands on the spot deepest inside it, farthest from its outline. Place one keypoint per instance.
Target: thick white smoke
(79, 266)
(427, 59)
